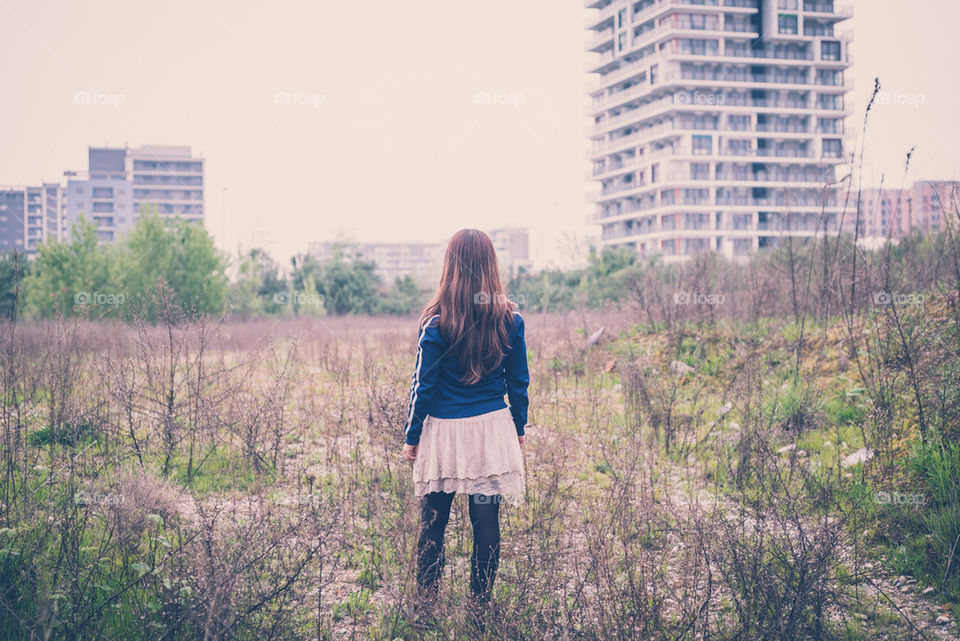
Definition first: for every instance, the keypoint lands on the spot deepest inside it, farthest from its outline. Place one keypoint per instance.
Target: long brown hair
(475, 315)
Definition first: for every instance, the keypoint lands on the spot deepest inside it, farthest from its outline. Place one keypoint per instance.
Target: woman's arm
(517, 375)
(423, 383)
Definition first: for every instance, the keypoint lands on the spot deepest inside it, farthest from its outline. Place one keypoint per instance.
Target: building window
(698, 47)
(738, 123)
(829, 125)
(702, 145)
(787, 23)
(103, 192)
(830, 50)
(830, 101)
(653, 74)
(787, 4)
(654, 172)
(738, 147)
(832, 148)
(699, 171)
(621, 18)
(622, 41)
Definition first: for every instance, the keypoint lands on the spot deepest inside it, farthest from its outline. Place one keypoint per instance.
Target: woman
(460, 434)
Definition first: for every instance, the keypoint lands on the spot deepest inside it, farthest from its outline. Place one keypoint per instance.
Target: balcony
(631, 165)
(782, 128)
(599, 40)
(759, 53)
(651, 134)
(828, 9)
(632, 115)
(595, 19)
(783, 153)
(625, 70)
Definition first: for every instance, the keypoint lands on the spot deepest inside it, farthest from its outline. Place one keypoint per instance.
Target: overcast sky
(388, 136)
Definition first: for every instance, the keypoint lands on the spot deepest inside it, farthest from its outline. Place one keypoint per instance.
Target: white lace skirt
(473, 455)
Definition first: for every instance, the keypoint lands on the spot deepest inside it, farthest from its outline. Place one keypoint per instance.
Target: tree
(72, 277)
(259, 288)
(13, 270)
(403, 297)
(347, 284)
(178, 253)
(608, 261)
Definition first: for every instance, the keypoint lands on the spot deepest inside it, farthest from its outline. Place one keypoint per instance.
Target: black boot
(430, 562)
(434, 514)
(482, 575)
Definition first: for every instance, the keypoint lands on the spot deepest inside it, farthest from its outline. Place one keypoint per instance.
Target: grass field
(700, 479)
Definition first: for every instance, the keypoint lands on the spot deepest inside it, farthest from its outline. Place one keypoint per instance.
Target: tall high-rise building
(120, 181)
(30, 216)
(718, 124)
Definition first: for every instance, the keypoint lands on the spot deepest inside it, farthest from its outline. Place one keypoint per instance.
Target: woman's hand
(409, 452)
(520, 438)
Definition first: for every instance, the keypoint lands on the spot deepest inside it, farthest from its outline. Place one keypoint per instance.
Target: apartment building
(895, 213)
(421, 261)
(513, 248)
(120, 181)
(424, 261)
(30, 216)
(718, 125)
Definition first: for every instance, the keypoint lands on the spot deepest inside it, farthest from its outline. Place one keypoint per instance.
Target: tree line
(163, 264)
(167, 264)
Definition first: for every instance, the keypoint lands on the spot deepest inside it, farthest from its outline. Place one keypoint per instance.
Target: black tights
(485, 519)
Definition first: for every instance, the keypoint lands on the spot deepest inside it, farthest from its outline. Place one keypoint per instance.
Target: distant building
(423, 261)
(513, 248)
(120, 180)
(30, 216)
(895, 213)
(717, 126)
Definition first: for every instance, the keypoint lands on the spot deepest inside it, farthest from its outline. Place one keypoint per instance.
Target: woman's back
(439, 387)
(459, 432)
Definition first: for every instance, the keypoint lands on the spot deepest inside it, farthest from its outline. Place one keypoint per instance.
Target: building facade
(513, 248)
(424, 261)
(895, 213)
(421, 261)
(30, 216)
(121, 181)
(718, 125)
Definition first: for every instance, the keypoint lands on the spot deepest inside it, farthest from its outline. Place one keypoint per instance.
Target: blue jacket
(437, 388)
